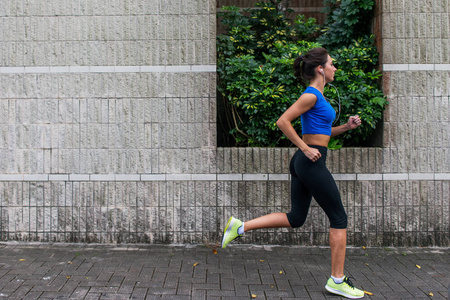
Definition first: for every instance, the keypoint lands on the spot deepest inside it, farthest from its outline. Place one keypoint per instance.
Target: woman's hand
(312, 153)
(353, 122)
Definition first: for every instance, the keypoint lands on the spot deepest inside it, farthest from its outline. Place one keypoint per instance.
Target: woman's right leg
(300, 198)
(300, 202)
(273, 220)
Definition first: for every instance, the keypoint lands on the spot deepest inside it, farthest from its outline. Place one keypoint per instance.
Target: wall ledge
(218, 177)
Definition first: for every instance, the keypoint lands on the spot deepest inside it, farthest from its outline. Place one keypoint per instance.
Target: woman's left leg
(338, 243)
(327, 196)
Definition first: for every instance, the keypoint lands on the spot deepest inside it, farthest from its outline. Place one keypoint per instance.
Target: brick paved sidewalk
(61, 271)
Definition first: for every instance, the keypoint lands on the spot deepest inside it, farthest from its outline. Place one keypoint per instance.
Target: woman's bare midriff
(316, 139)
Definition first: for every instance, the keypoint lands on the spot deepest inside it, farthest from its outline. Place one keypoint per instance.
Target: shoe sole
(341, 293)
(228, 228)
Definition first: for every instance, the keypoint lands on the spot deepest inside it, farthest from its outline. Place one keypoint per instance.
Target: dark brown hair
(304, 65)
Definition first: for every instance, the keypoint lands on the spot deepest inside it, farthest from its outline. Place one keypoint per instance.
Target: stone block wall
(415, 56)
(99, 102)
(108, 131)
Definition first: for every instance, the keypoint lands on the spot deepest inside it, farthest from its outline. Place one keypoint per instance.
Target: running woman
(309, 174)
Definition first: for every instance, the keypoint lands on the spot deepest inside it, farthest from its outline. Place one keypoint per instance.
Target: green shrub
(256, 81)
(346, 20)
(356, 81)
(346, 35)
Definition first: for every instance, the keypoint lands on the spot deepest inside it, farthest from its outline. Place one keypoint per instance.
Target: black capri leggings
(312, 179)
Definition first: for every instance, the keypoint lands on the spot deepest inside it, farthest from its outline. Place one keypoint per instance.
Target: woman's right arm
(302, 105)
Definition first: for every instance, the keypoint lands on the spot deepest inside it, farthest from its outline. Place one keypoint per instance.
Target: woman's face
(329, 70)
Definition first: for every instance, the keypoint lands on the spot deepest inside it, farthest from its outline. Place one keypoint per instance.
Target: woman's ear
(320, 69)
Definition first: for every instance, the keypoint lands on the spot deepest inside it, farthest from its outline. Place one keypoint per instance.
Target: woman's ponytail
(298, 68)
(304, 65)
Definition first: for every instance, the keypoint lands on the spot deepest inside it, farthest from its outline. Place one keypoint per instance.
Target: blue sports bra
(319, 118)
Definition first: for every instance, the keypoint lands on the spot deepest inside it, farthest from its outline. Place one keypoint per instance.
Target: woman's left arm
(353, 122)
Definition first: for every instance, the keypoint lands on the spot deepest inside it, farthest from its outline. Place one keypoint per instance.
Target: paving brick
(175, 297)
(139, 293)
(220, 293)
(104, 289)
(32, 295)
(227, 284)
(92, 296)
(107, 296)
(55, 295)
(171, 282)
(198, 294)
(80, 292)
(184, 289)
(20, 293)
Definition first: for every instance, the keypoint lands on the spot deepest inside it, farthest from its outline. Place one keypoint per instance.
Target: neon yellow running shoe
(231, 231)
(346, 289)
